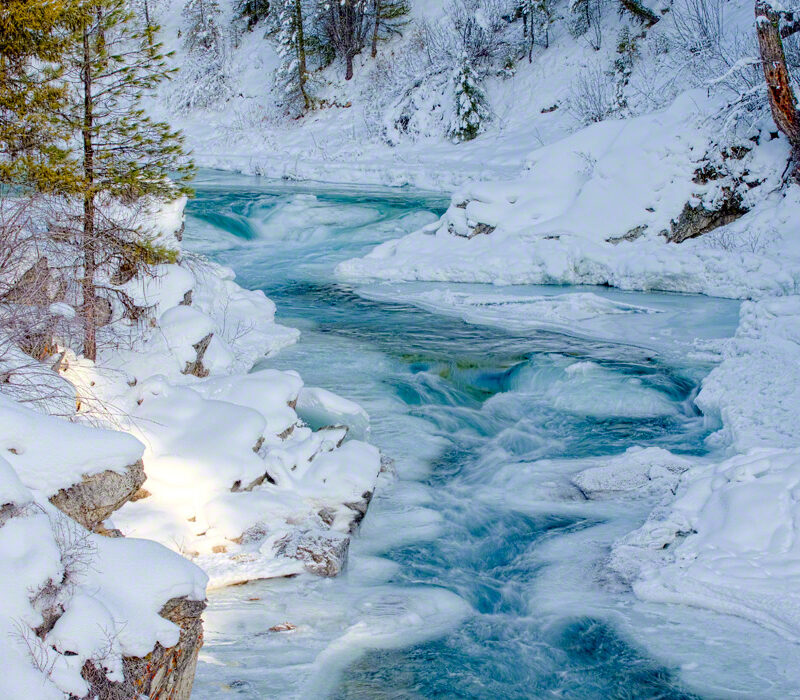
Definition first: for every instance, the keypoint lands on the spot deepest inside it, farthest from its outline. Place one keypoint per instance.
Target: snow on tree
(471, 106)
(346, 24)
(206, 79)
(253, 11)
(772, 26)
(291, 78)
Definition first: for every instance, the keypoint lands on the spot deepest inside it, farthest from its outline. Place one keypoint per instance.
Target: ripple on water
(479, 579)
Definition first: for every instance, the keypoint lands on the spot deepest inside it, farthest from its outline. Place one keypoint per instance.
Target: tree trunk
(781, 96)
(376, 28)
(301, 54)
(88, 242)
(349, 72)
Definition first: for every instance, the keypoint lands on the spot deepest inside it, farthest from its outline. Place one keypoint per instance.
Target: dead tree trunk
(772, 27)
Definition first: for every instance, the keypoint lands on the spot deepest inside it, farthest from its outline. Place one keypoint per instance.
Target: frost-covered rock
(639, 471)
(322, 553)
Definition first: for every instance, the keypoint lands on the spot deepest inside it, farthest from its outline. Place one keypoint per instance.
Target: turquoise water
(478, 572)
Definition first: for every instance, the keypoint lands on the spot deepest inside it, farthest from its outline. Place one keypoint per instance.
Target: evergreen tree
(291, 77)
(33, 37)
(253, 11)
(471, 106)
(121, 155)
(206, 79)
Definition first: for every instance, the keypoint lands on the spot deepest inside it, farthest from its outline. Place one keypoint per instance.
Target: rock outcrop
(196, 367)
(168, 674)
(165, 673)
(323, 552)
(697, 220)
(95, 498)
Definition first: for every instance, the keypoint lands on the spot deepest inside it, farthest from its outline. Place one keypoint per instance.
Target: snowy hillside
(149, 455)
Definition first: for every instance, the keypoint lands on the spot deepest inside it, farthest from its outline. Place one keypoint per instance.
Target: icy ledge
(729, 542)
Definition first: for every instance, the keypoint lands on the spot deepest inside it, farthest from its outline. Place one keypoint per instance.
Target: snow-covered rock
(75, 606)
(638, 471)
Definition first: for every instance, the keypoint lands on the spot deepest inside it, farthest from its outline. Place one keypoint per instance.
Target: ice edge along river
(478, 572)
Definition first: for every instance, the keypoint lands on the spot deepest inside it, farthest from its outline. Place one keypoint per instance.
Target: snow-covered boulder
(96, 497)
(77, 608)
(86, 472)
(638, 471)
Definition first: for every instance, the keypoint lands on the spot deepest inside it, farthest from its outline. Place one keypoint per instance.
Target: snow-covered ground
(249, 474)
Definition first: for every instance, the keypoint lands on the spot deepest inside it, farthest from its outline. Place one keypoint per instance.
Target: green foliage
(33, 37)
(471, 106)
(121, 152)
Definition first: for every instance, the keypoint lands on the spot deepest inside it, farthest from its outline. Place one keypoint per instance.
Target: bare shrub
(592, 95)
(718, 58)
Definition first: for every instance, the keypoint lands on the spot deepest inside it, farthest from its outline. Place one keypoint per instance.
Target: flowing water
(478, 571)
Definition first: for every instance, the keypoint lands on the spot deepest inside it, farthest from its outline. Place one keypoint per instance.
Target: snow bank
(238, 463)
(754, 394)
(592, 209)
(50, 453)
(729, 541)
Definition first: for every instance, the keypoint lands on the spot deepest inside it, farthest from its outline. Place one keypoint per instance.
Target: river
(478, 572)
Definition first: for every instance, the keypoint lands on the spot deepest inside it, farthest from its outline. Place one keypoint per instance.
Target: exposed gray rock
(96, 497)
(482, 230)
(196, 367)
(632, 235)
(359, 509)
(696, 221)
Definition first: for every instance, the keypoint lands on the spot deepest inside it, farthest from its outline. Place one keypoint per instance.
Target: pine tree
(205, 74)
(471, 106)
(33, 36)
(120, 154)
(253, 11)
(291, 78)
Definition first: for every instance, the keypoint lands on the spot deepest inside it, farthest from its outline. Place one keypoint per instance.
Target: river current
(478, 572)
